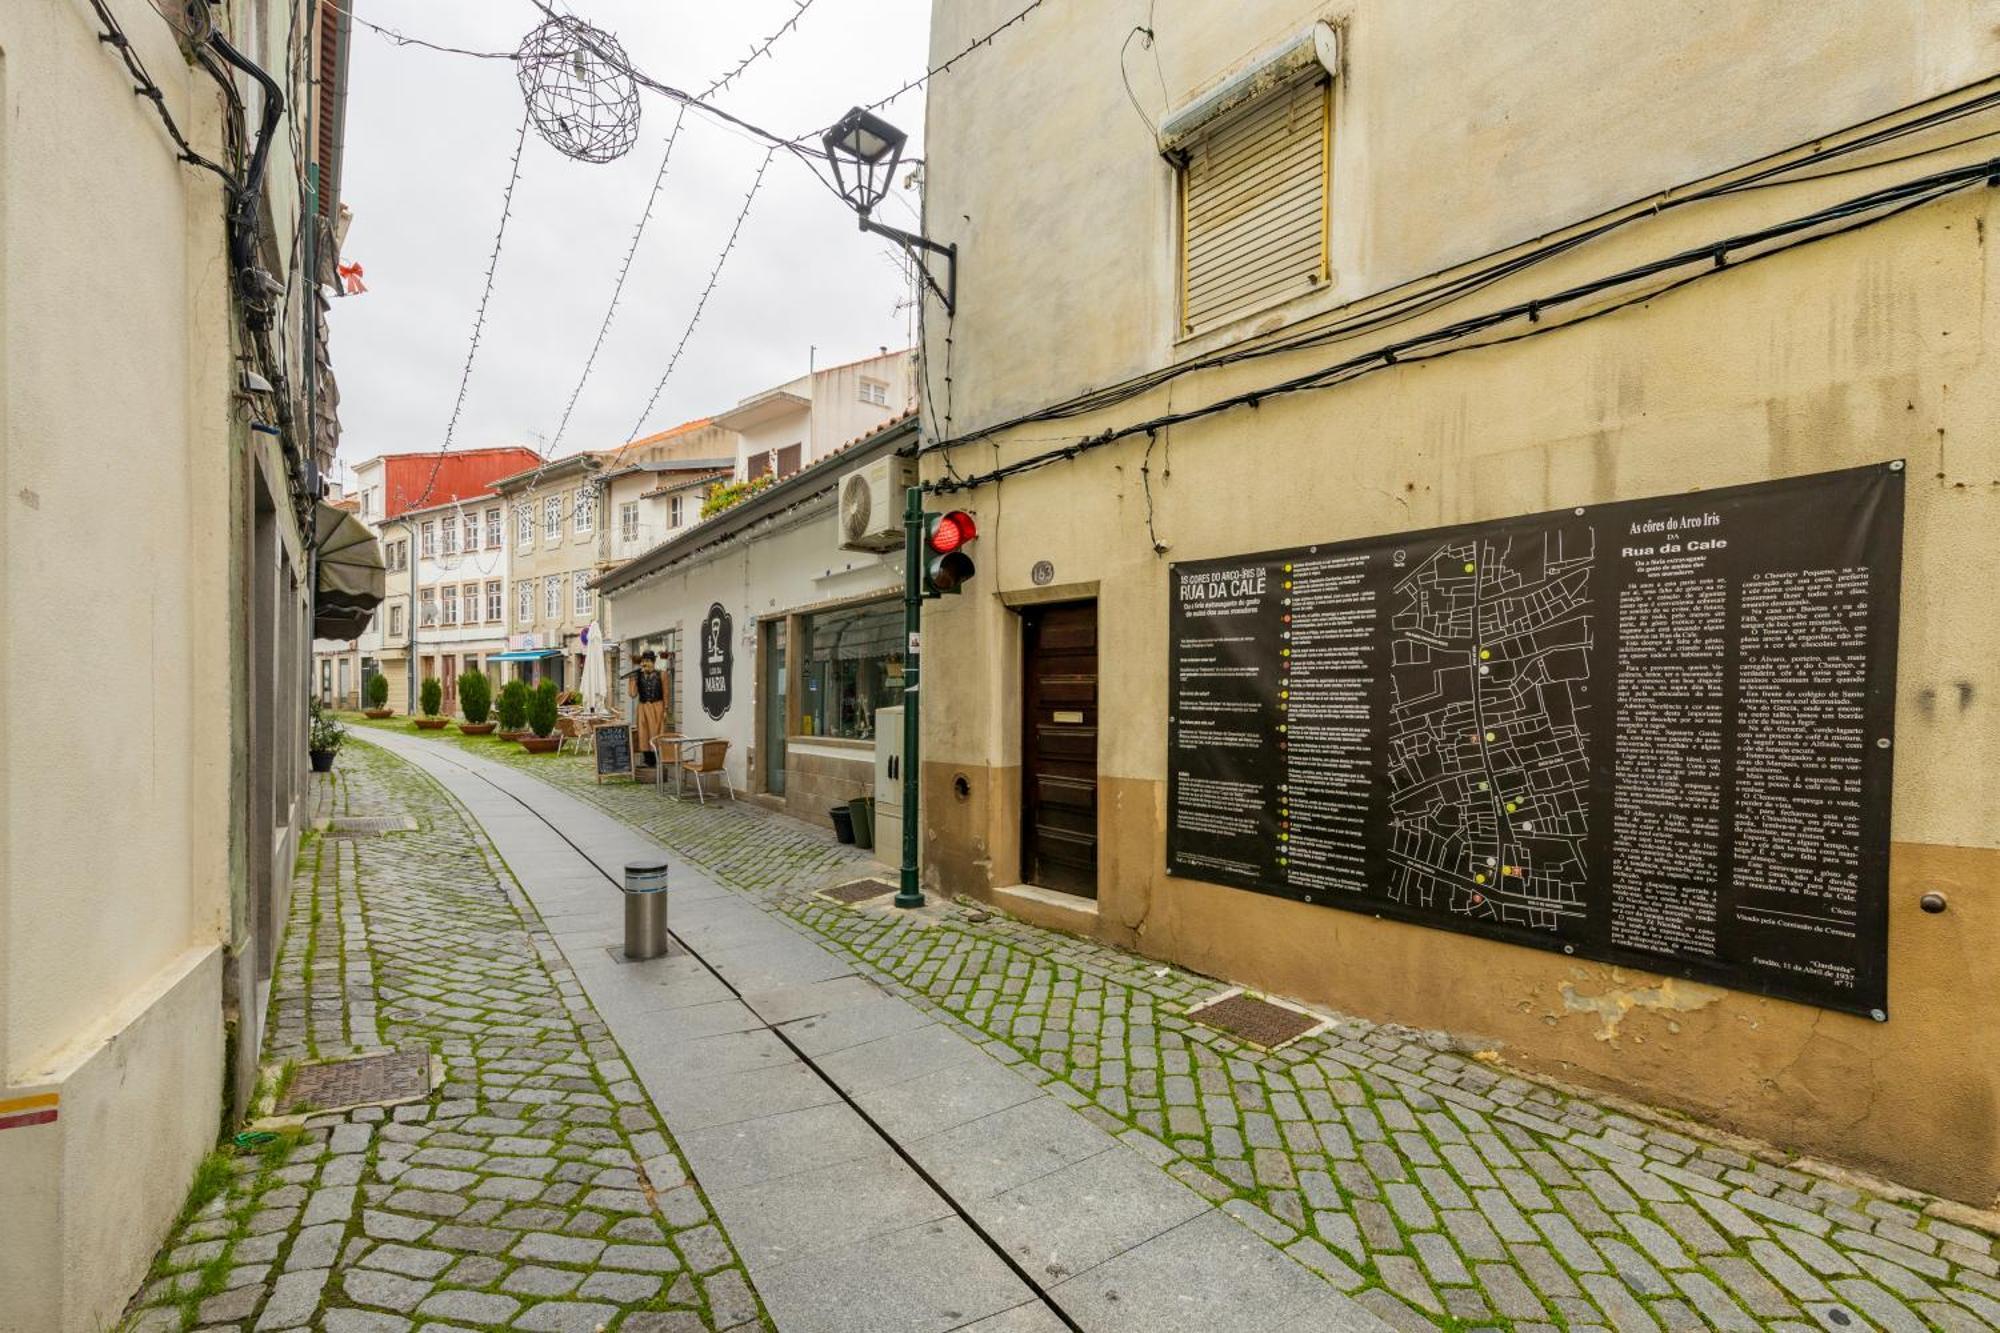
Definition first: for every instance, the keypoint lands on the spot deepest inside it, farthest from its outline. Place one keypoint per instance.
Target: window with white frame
(580, 598)
(552, 597)
(552, 518)
(450, 604)
(674, 510)
(471, 603)
(1254, 200)
(496, 600)
(628, 521)
(524, 601)
(584, 508)
(875, 391)
(427, 610)
(396, 621)
(429, 544)
(450, 525)
(524, 528)
(367, 498)
(493, 529)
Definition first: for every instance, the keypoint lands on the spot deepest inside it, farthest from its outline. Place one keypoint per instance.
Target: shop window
(855, 666)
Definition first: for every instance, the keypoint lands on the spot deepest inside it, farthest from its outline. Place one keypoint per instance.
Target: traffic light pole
(911, 894)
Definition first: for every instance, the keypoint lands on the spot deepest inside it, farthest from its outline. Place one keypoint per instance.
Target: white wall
(789, 563)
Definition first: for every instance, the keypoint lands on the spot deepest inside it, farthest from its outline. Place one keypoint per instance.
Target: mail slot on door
(1063, 716)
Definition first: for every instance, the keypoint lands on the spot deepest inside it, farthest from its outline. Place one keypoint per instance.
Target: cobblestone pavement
(1439, 1190)
(535, 1190)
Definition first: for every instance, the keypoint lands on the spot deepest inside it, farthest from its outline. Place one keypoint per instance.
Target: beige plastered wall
(121, 777)
(1874, 346)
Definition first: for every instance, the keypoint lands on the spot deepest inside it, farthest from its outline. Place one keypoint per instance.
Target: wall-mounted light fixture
(865, 150)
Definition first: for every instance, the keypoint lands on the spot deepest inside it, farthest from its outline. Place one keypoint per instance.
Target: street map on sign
(1488, 760)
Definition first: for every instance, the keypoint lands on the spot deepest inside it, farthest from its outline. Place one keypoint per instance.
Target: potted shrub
(430, 696)
(475, 700)
(378, 697)
(513, 710)
(542, 720)
(324, 736)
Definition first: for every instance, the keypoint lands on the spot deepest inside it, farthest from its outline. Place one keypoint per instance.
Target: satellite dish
(855, 504)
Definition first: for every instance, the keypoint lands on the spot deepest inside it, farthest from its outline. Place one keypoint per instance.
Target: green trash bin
(861, 813)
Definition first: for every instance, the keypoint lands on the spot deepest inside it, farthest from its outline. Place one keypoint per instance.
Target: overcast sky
(428, 141)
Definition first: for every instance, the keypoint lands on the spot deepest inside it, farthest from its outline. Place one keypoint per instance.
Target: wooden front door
(1059, 748)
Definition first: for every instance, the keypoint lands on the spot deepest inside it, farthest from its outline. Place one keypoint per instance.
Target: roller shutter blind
(1253, 207)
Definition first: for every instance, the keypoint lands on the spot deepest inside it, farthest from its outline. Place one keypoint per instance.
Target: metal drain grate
(371, 1080)
(858, 890)
(1256, 1021)
(368, 826)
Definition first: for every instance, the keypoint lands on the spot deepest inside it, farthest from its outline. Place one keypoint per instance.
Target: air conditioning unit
(871, 504)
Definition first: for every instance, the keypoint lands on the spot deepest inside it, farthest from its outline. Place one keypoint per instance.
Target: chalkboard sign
(614, 751)
(1654, 732)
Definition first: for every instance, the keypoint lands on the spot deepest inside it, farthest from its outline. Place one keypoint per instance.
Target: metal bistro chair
(666, 755)
(709, 757)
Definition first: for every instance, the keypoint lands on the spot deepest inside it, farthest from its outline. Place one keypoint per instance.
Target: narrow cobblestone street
(537, 1192)
(541, 1189)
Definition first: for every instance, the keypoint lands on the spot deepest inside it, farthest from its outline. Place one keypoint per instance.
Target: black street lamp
(869, 149)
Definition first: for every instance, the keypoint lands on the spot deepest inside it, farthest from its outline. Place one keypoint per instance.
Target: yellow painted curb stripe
(29, 1103)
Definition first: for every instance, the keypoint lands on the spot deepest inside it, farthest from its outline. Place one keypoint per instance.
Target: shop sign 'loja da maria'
(1655, 732)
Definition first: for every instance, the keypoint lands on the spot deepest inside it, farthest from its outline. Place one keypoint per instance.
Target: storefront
(774, 637)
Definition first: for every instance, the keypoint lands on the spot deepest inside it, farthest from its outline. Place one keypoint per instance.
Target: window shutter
(1253, 205)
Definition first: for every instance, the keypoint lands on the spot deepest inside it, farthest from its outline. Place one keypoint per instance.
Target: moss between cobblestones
(457, 962)
(1532, 1162)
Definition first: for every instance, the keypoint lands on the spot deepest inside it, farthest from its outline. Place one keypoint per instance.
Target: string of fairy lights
(582, 96)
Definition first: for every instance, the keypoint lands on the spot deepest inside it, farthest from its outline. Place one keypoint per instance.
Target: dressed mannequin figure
(649, 687)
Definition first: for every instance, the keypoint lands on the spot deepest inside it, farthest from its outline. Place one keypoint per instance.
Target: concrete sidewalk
(870, 1164)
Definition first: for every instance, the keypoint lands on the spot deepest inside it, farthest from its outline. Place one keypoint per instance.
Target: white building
(794, 425)
(775, 638)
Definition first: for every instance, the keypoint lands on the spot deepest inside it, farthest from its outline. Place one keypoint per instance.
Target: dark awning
(351, 580)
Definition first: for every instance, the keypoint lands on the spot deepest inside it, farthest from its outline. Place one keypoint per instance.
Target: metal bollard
(645, 909)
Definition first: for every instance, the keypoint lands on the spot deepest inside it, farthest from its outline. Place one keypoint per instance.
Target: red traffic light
(950, 531)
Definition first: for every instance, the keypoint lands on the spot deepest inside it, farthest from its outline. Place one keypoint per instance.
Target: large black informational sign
(1655, 732)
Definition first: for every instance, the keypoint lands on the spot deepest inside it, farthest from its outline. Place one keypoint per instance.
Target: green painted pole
(911, 893)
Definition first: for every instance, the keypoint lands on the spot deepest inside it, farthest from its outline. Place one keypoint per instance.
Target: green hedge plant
(431, 696)
(475, 696)
(542, 709)
(514, 705)
(378, 691)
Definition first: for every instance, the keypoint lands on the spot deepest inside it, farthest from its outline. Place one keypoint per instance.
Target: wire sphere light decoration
(581, 97)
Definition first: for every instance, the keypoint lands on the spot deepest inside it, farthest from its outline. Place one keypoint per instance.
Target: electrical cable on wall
(1416, 303)
(1706, 261)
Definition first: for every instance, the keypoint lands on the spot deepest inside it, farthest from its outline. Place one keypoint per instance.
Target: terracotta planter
(322, 760)
(518, 734)
(540, 744)
(378, 713)
(477, 728)
(430, 723)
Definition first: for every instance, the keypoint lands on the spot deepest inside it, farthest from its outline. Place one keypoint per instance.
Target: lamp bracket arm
(913, 244)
